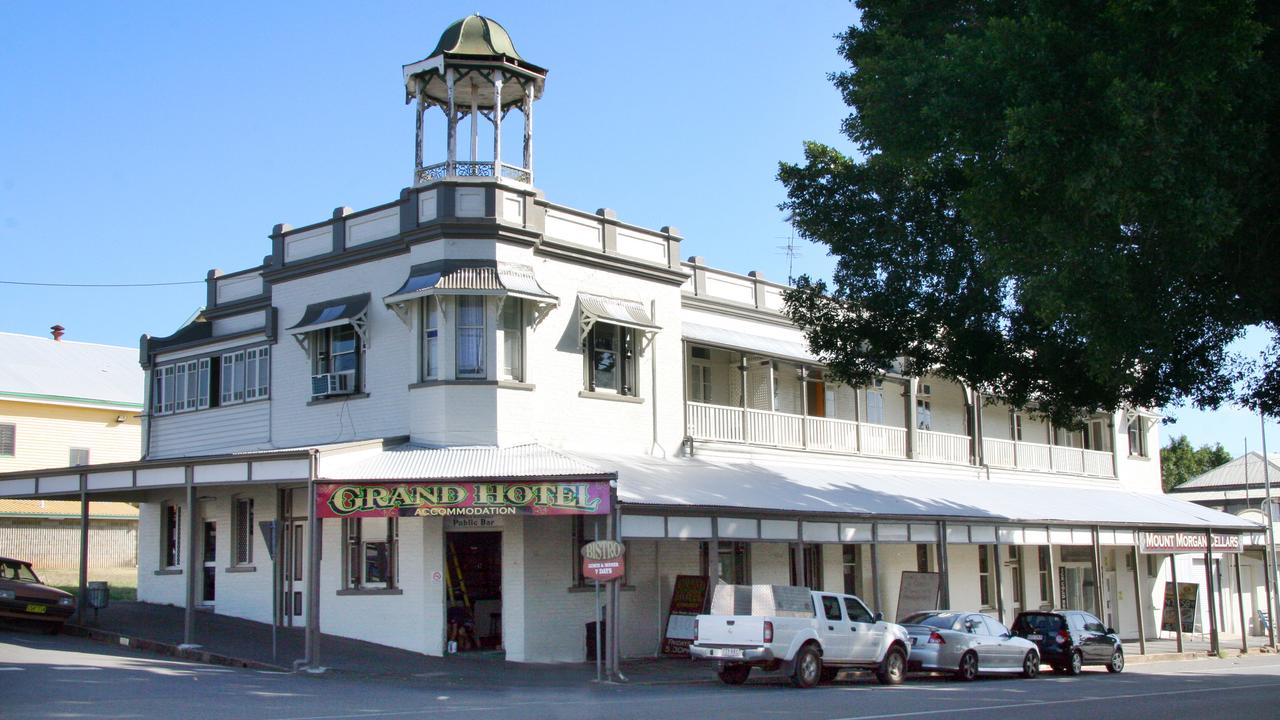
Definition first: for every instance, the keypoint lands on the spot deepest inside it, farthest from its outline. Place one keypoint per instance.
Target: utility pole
(1271, 540)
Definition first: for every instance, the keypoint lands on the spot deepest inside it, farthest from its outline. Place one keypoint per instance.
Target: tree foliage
(1179, 462)
(1071, 206)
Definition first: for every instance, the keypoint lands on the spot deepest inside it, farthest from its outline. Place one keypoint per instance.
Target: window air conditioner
(339, 383)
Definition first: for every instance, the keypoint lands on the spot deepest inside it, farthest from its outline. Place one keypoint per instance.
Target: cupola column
(475, 123)
(497, 123)
(417, 145)
(452, 159)
(527, 111)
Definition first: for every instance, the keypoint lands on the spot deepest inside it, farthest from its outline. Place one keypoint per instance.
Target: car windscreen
(18, 571)
(944, 620)
(1035, 622)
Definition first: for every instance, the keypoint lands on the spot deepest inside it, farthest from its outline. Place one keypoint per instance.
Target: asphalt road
(67, 677)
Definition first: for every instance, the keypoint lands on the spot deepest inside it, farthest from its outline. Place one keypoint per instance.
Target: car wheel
(1031, 664)
(829, 673)
(808, 668)
(734, 674)
(1117, 661)
(968, 669)
(1076, 665)
(893, 669)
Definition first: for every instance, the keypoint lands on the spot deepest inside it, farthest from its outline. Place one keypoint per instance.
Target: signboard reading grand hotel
(1185, 542)
(446, 499)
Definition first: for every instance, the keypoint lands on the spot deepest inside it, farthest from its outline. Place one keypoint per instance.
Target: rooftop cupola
(474, 72)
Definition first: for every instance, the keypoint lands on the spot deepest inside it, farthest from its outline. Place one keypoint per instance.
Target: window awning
(734, 340)
(627, 313)
(471, 277)
(352, 310)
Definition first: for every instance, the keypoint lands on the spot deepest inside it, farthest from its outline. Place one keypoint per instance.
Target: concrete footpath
(236, 642)
(223, 640)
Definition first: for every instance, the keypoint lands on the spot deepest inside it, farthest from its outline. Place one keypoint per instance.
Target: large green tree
(1179, 462)
(1068, 205)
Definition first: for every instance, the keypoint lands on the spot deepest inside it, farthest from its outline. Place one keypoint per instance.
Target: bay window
(511, 328)
(430, 338)
(469, 338)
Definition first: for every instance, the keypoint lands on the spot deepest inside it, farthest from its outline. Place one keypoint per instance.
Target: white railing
(724, 423)
(882, 440)
(1046, 458)
(942, 447)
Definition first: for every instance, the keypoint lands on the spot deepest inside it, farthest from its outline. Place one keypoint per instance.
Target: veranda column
(910, 415)
(189, 617)
(82, 596)
(527, 110)
(944, 570)
(314, 535)
(1138, 604)
(995, 550)
(1244, 622)
(742, 373)
(1210, 591)
(1177, 599)
(1097, 573)
(875, 574)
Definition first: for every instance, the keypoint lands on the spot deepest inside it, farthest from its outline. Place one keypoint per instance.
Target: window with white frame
(369, 553)
(985, 577)
(1015, 426)
(232, 373)
(170, 535)
(242, 531)
(8, 439)
(1138, 437)
(1046, 574)
(337, 351)
(875, 402)
(1015, 570)
(699, 374)
(469, 345)
(257, 382)
(924, 415)
(611, 361)
(851, 556)
(431, 338)
(511, 340)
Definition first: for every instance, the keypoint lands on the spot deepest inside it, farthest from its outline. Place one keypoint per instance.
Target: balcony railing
(724, 423)
(1048, 458)
(471, 169)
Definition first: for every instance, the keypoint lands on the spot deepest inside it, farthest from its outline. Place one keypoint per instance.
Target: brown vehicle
(24, 597)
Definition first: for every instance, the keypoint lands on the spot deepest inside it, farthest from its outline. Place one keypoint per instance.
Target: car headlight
(8, 595)
(66, 601)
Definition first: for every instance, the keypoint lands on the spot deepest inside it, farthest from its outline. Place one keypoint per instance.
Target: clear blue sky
(150, 142)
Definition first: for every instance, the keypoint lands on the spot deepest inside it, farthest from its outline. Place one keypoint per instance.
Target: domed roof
(476, 35)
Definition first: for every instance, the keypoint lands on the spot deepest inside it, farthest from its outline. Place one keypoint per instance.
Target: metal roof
(1244, 470)
(627, 313)
(841, 490)
(420, 462)
(39, 369)
(471, 277)
(476, 35)
(735, 340)
(331, 313)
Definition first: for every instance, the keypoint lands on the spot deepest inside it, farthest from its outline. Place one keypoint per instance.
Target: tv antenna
(792, 251)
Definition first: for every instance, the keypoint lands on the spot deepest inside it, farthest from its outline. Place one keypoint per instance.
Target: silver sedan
(967, 643)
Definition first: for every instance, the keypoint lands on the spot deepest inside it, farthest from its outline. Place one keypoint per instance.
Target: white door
(293, 564)
(866, 633)
(835, 631)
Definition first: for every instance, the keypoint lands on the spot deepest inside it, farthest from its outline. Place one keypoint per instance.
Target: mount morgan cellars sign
(451, 499)
(1185, 542)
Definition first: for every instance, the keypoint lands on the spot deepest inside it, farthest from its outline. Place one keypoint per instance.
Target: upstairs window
(469, 339)
(611, 361)
(1138, 437)
(8, 439)
(430, 338)
(875, 402)
(336, 362)
(245, 375)
(1015, 426)
(181, 387)
(700, 374)
(924, 415)
(511, 327)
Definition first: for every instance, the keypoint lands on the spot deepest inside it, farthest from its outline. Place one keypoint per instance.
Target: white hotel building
(470, 330)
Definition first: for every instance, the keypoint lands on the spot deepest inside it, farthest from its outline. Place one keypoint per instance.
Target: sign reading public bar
(451, 499)
(1185, 542)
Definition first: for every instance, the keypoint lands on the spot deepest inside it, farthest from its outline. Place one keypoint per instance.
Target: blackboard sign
(917, 591)
(688, 599)
(1188, 593)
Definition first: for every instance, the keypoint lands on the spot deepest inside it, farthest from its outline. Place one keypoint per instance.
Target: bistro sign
(1185, 542)
(340, 500)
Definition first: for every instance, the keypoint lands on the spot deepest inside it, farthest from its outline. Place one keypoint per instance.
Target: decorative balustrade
(724, 423)
(473, 169)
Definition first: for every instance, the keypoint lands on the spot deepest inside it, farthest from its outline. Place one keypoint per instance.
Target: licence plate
(726, 652)
(1035, 637)
(33, 608)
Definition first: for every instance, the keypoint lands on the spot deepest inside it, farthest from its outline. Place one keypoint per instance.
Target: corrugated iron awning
(734, 340)
(352, 310)
(471, 277)
(627, 313)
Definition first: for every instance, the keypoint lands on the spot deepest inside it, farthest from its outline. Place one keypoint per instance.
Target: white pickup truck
(809, 635)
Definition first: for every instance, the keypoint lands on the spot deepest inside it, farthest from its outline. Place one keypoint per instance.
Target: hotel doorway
(473, 590)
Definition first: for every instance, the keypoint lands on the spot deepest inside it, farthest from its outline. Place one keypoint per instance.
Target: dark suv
(1070, 639)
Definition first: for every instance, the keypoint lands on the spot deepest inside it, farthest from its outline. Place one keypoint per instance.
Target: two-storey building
(438, 400)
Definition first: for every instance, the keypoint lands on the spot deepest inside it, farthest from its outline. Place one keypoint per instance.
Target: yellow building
(67, 403)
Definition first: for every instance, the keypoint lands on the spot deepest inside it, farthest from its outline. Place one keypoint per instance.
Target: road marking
(1091, 698)
(12, 668)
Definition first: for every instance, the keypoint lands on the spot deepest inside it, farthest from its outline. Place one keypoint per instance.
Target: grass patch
(123, 581)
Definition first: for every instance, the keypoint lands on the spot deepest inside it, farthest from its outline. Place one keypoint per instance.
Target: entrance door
(1078, 587)
(293, 560)
(473, 589)
(209, 561)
